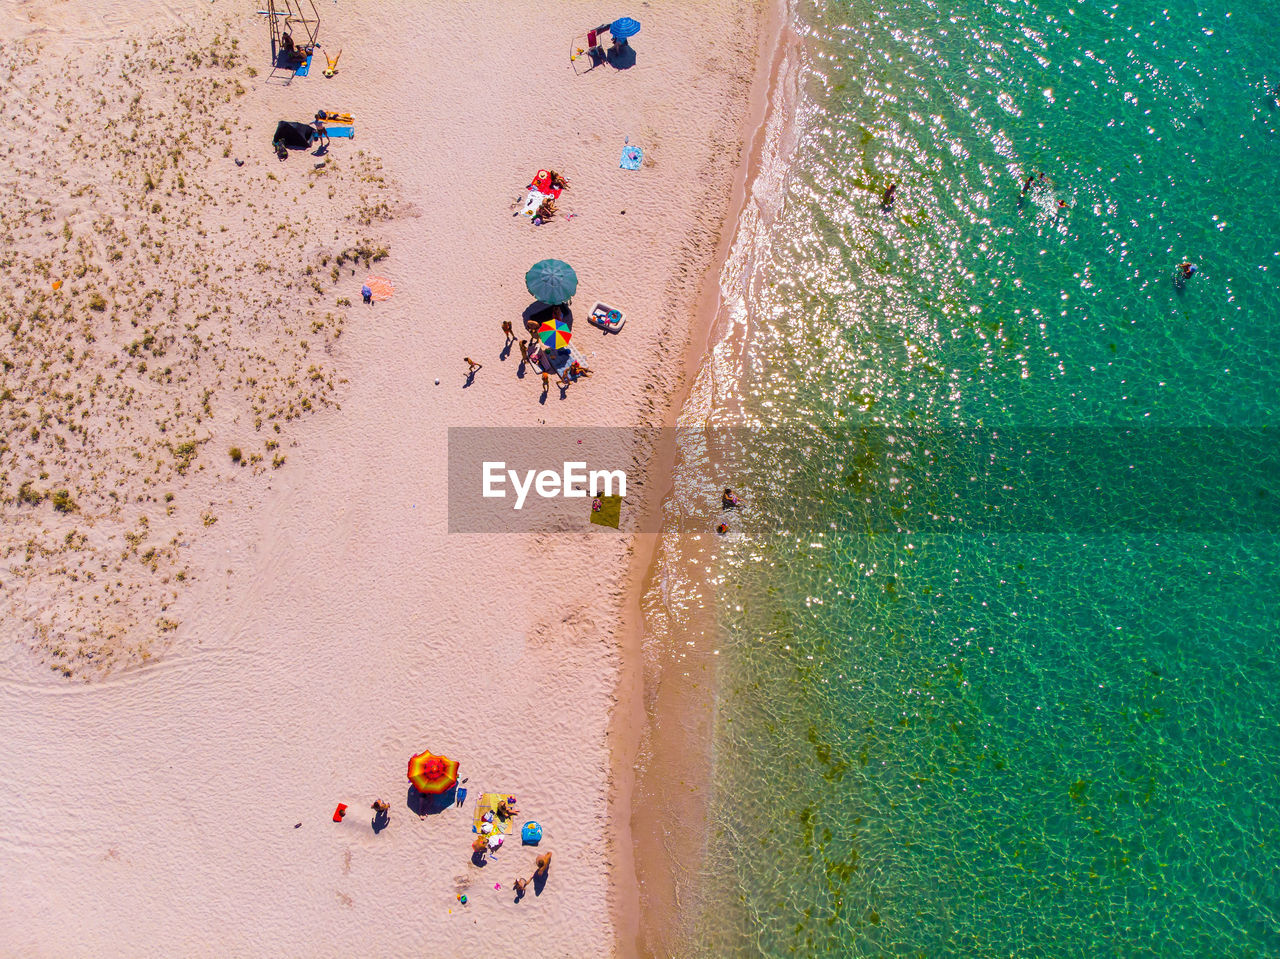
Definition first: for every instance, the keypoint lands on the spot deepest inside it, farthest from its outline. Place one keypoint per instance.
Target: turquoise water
(1048, 726)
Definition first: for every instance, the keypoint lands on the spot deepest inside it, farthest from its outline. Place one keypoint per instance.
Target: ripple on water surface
(1043, 733)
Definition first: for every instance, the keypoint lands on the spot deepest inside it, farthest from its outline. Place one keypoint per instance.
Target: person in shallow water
(886, 201)
(728, 500)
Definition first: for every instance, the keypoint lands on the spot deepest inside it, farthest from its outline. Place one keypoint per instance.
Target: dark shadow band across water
(885, 480)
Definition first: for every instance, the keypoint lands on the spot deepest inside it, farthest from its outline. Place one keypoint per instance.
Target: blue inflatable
(531, 834)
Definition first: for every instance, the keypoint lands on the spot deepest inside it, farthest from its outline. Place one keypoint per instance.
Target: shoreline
(653, 892)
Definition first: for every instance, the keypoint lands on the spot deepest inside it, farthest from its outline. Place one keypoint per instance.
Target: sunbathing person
(576, 369)
(507, 808)
(546, 210)
(558, 182)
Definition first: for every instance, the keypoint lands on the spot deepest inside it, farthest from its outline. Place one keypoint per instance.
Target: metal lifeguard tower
(290, 16)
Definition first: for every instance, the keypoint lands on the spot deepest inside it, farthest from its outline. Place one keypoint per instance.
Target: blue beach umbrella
(551, 281)
(624, 27)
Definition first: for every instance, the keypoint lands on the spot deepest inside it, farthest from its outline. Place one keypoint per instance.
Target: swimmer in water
(886, 201)
(1186, 270)
(722, 528)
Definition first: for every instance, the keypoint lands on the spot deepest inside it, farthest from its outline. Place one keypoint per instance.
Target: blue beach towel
(303, 68)
(348, 132)
(631, 157)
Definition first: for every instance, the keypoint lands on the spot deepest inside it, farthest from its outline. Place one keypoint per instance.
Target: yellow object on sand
(57, 285)
(489, 803)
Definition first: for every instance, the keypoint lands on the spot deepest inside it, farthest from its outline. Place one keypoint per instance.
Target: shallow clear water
(1048, 726)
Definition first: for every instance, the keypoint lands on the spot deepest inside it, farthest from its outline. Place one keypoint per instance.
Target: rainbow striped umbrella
(554, 334)
(432, 774)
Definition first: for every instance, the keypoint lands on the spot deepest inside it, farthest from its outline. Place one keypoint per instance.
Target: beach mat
(348, 132)
(488, 802)
(610, 512)
(304, 68)
(631, 157)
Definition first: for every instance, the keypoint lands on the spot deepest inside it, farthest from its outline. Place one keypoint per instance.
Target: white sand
(331, 626)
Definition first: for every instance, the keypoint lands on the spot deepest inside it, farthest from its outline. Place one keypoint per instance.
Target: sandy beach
(231, 597)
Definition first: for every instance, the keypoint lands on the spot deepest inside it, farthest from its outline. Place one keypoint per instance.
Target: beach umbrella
(624, 27)
(432, 774)
(554, 334)
(551, 281)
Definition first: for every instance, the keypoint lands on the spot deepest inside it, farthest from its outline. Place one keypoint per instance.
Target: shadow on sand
(430, 805)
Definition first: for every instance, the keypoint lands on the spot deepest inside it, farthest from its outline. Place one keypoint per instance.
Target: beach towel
(488, 802)
(631, 157)
(347, 132)
(304, 67)
(380, 287)
(534, 201)
(610, 512)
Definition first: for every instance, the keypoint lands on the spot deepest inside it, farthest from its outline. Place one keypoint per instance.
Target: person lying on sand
(559, 182)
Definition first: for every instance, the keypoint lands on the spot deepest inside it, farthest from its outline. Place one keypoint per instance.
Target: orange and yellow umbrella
(432, 774)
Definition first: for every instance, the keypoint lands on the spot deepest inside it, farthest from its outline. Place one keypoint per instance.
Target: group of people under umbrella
(553, 282)
(432, 775)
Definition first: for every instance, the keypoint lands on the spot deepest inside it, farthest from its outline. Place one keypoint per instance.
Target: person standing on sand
(543, 864)
(519, 886)
(546, 383)
(506, 329)
(524, 353)
(322, 133)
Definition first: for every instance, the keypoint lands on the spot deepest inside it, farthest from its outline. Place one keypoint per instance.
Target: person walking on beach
(546, 383)
(519, 886)
(506, 329)
(472, 365)
(543, 865)
(322, 133)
